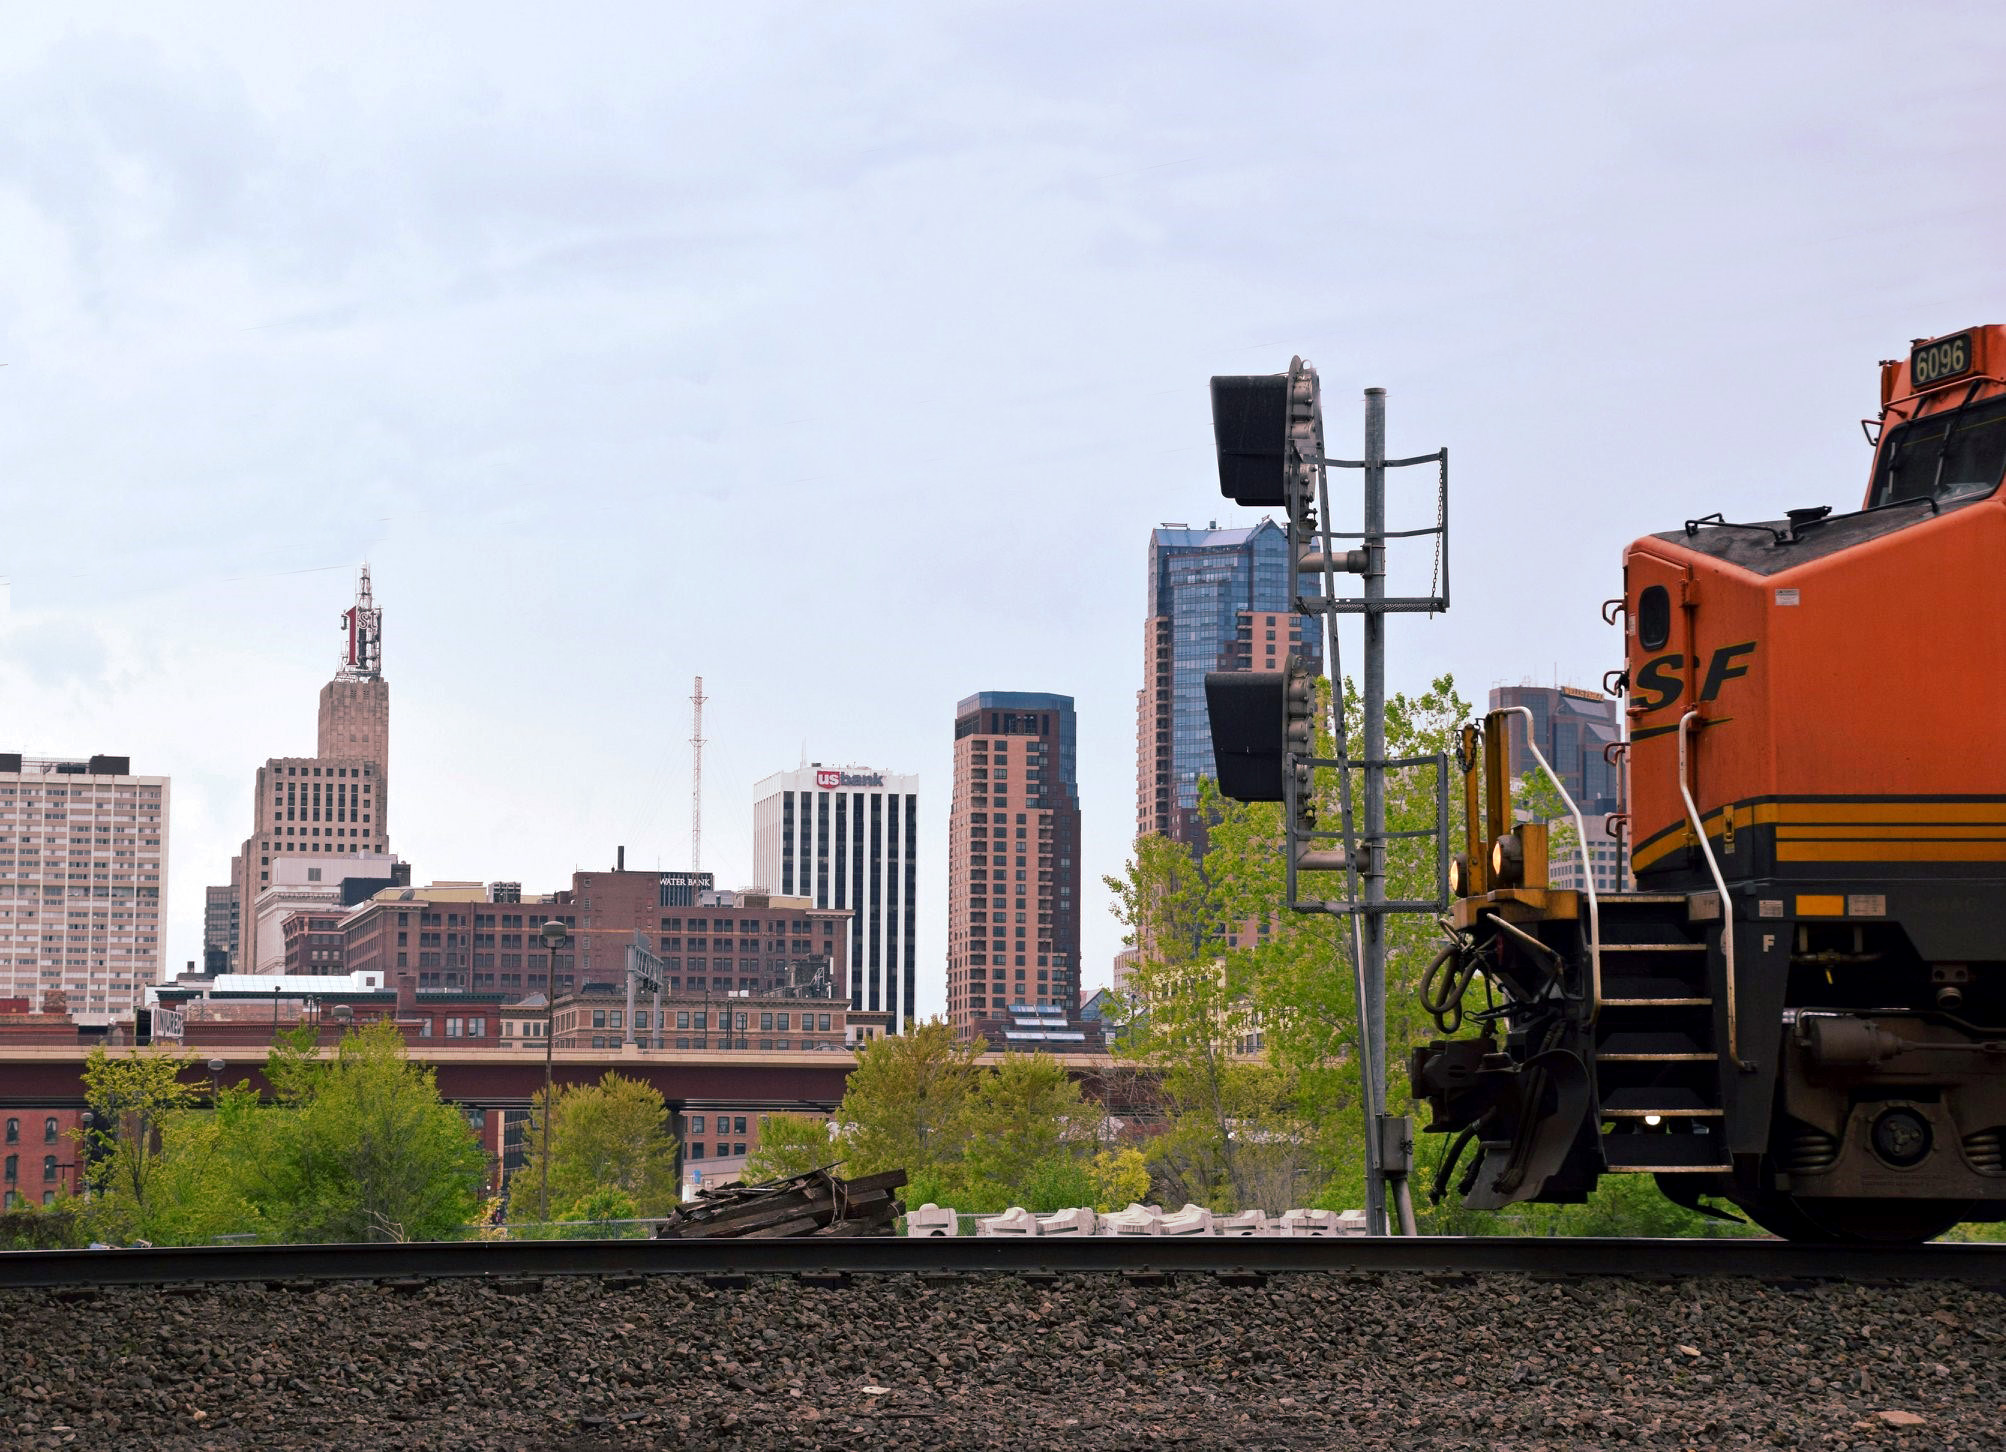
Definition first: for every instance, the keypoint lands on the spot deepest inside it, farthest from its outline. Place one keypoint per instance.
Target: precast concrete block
(1014, 1221)
(1135, 1220)
(1248, 1223)
(1316, 1224)
(1076, 1221)
(932, 1222)
(1191, 1220)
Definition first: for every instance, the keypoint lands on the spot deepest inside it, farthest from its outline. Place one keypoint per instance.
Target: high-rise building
(848, 837)
(1606, 854)
(1572, 726)
(1013, 874)
(333, 804)
(1219, 600)
(222, 915)
(83, 874)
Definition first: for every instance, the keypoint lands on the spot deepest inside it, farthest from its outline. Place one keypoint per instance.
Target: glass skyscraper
(1219, 600)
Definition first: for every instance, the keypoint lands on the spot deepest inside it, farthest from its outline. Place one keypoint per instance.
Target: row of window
(49, 1167)
(724, 1151)
(49, 1131)
(726, 1124)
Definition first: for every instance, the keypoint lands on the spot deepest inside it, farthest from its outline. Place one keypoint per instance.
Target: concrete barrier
(1246, 1224)
(1014, 1221)
(932, 1221)
(1191, 1220)
(1135, 1220)
(1076, 1221)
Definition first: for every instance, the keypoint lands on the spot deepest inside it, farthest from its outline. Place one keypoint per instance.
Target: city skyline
(566, 325)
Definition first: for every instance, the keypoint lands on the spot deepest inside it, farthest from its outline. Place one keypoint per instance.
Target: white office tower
(848, 837)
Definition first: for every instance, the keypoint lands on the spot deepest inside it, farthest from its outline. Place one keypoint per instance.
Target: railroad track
(831, 1260)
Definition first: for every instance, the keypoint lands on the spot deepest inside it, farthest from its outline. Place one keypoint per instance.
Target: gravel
(1500, 1363)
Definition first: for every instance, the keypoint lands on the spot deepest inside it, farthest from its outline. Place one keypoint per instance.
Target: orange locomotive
(1802, 1008)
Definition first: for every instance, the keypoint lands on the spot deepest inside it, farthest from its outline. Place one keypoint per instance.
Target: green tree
(1120, 1178)
(1025, 1113)
(610, 1135)
(360, 1147)
(131, 1096)
(906, 1103)
(790, 1144)
(1246, 1012)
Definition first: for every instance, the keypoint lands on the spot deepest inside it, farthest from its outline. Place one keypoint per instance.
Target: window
(599, 1020)
(739, 1149)
(738, 1127)
(452, 1028)
(13, 1166)
(49, 1130)
(682, 1019)
(1958, 452)
(696, 1151)
(766, 1023)
(48, 1167)
(1654, 617)
(476, 1027)
(13, 1131)
(696, 1124)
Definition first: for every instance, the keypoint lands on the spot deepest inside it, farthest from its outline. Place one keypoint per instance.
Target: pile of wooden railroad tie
(817, 1203)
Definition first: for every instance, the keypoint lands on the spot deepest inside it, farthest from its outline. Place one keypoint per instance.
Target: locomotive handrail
(1720, 886)
(1587, 869)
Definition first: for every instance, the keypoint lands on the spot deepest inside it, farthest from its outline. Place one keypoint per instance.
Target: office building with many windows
(330, 806)
(1574, 728)
(1219, 600)
(1013, 874)
(848, 837)
(83, 876)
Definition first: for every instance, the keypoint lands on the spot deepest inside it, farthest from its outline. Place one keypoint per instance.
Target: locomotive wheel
(1855, 1222)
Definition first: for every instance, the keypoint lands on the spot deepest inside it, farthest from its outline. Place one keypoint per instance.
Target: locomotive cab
(1801, 1008)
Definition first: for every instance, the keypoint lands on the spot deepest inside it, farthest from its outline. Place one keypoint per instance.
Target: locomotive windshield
(1950, 455)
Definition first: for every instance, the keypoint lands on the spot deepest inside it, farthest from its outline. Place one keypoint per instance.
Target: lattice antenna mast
(696, 776)
(362, 629)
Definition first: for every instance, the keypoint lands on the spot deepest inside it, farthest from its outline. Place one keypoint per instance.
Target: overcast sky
(846, 355)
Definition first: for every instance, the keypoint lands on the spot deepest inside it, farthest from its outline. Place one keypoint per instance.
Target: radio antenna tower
(696, 777)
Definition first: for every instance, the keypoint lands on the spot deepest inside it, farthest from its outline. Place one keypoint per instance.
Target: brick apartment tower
(335, 803)
(1219, 600)
(1013, 918)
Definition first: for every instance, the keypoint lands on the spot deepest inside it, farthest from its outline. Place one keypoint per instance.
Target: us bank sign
(830, 780)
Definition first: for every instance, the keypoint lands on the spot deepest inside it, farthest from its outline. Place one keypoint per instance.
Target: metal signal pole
(1372, 848)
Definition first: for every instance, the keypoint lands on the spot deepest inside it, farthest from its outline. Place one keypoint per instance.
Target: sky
(845, 356)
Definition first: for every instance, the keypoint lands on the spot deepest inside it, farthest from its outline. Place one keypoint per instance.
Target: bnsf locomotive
(1801, 1007)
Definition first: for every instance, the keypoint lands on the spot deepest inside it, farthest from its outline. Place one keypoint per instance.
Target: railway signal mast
(1268, 432)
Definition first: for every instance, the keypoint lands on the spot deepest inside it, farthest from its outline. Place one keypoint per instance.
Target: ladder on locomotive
(1657, 1059)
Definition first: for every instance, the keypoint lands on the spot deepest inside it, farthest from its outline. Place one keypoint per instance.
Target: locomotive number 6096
(1945, 358)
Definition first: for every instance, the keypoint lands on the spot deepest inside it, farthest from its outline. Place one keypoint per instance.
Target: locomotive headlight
(1459, 876)
(1507, 861)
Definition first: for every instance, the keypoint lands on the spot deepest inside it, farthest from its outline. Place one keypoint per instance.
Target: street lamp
(555, 936)
(216, 1068)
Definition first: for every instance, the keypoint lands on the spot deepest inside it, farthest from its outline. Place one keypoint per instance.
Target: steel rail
(1977, 1264)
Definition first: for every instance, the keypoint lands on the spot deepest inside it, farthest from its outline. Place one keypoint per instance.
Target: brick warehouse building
(485, 938)
(1013, 858)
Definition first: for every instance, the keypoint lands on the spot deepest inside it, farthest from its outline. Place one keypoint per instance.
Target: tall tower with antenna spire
(331, 809)
(696, 776)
